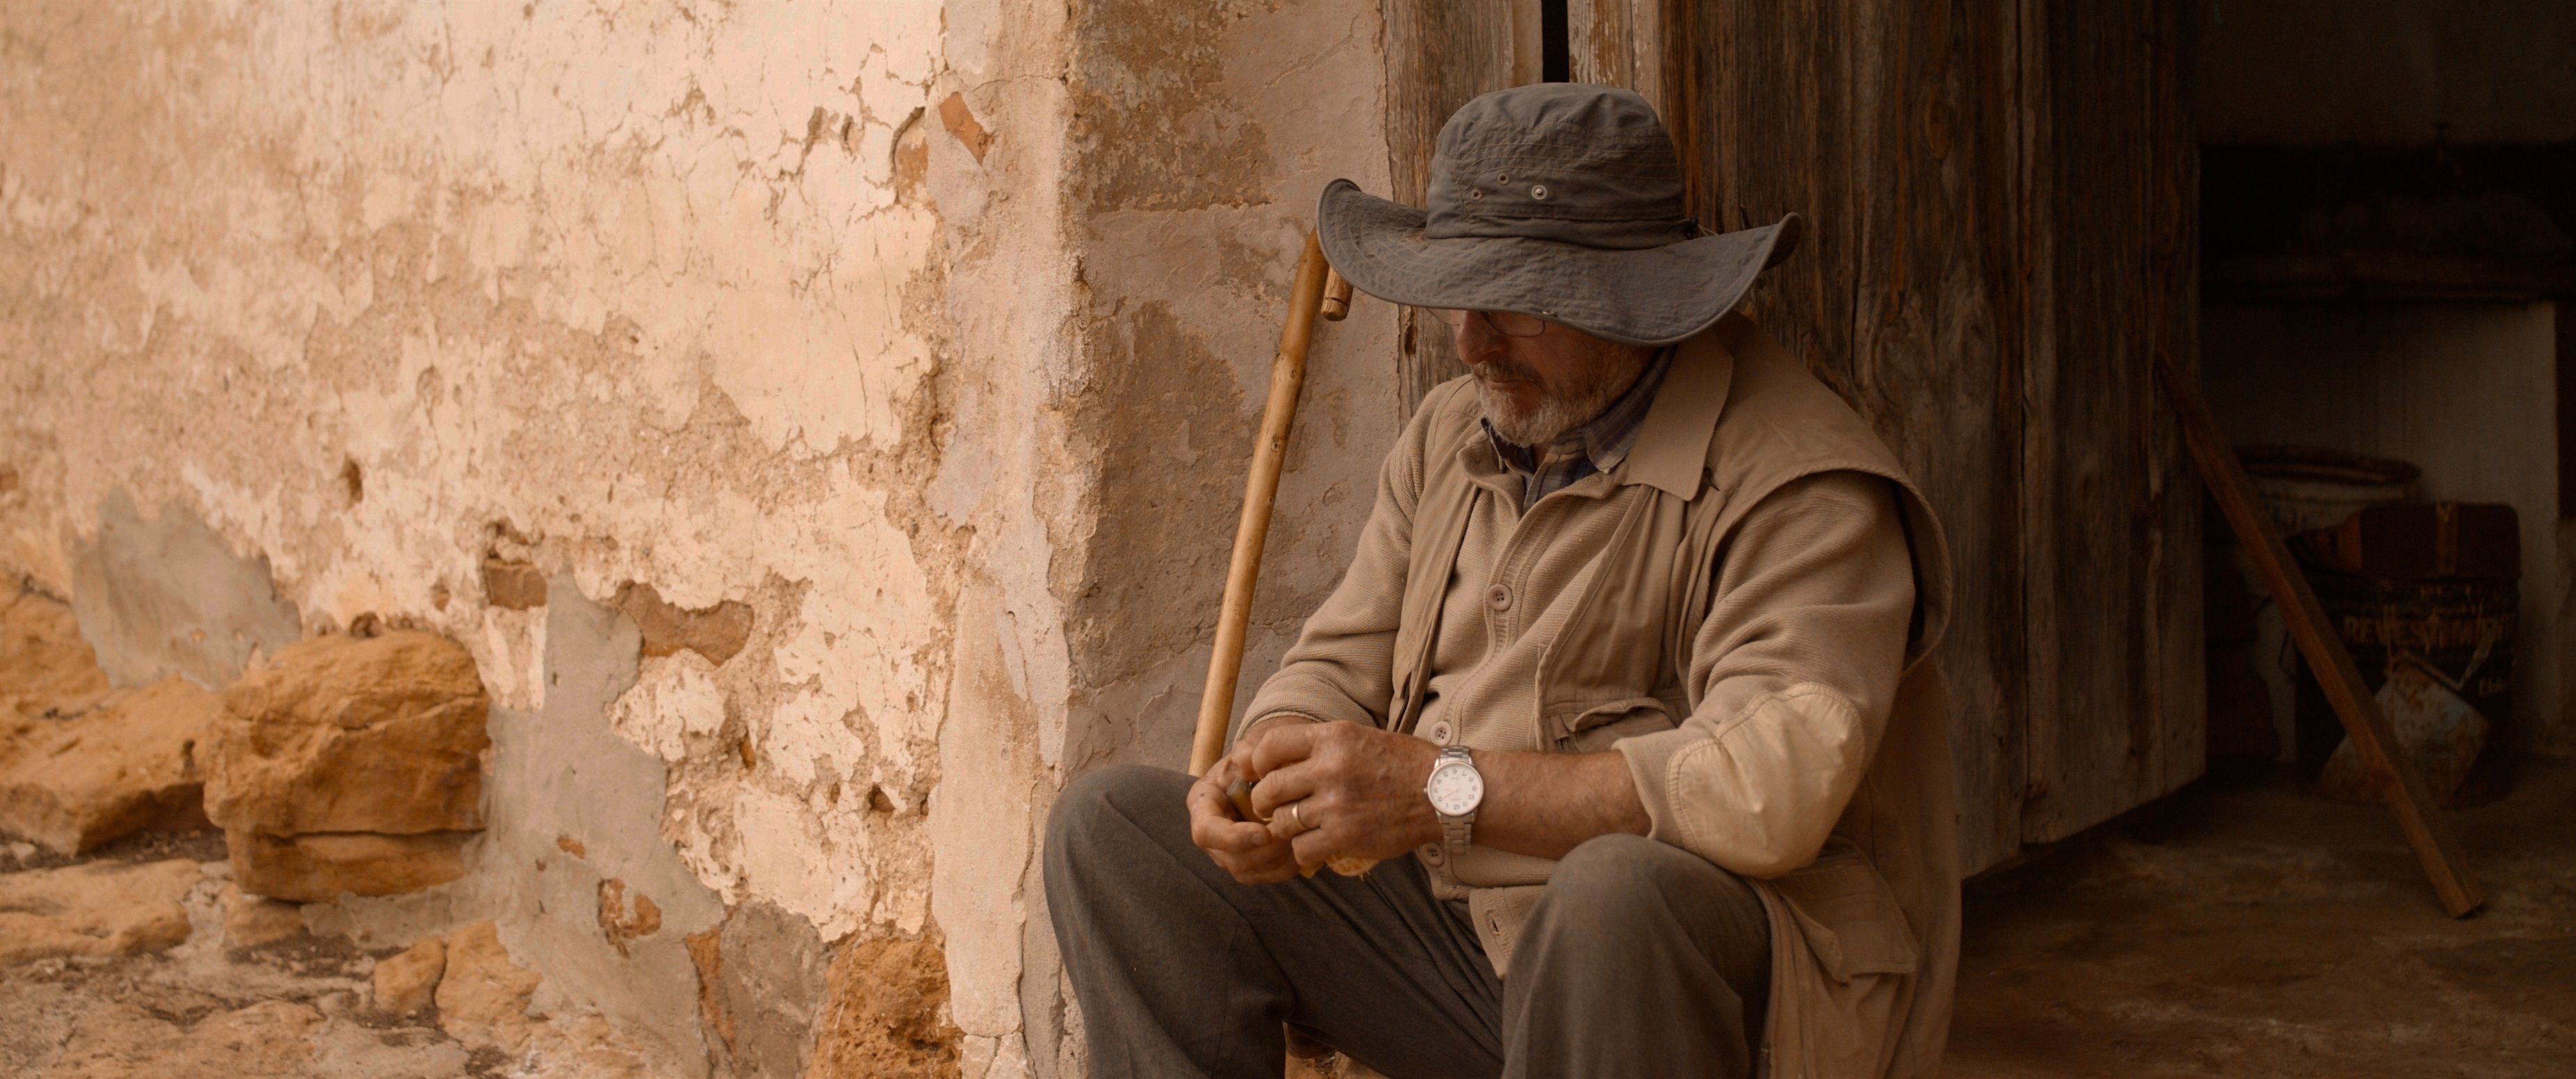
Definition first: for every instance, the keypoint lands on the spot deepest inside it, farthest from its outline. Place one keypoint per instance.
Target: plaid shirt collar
(1595, 447)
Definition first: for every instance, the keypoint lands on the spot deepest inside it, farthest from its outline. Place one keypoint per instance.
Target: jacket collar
(1672, 444)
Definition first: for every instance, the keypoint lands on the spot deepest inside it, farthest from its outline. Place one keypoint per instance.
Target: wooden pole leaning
(2417, 814)
(1260, 491)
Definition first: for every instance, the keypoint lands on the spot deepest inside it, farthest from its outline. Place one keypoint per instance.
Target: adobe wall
(822, 421)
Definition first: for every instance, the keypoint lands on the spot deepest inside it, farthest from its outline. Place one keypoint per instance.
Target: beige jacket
(1740, 608)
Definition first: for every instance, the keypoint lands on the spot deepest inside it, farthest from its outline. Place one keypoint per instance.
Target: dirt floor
(2242, 928)
(292, 1006)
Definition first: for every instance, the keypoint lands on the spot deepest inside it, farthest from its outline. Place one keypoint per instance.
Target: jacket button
(1499, 598)
(1432, 853)
(1440, 731)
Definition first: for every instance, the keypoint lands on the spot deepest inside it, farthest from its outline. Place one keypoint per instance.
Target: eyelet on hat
(1475, 192)
(1503, 178)
(1539, 192)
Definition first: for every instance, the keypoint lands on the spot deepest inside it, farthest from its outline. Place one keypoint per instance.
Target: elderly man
(1630, 663)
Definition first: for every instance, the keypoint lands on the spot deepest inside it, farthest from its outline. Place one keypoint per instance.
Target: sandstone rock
(46, 668)
(96, 908)
(350, 766)
(515, 586)
(340, 734)
(406, 983)
(268, 1040)
(322, 868)
(483, 996)
(714, 632)
(122, 767)
(886, 1014)
(250, 921)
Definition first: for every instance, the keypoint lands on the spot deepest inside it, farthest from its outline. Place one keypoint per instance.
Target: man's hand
(1243, 848)
(1335, 790)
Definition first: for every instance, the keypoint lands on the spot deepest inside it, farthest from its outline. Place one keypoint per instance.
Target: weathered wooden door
(1999, 198)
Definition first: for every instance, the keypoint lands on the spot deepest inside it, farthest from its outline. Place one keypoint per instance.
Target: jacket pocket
(1849, 916)
(1593, 728)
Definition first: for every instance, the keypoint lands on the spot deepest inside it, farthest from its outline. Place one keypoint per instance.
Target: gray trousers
(1641, 959)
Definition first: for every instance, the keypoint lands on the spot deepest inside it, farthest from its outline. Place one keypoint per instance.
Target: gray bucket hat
(1558, 200)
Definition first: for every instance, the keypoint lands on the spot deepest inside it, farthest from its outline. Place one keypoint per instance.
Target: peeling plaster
(724, 301)
(634, 287)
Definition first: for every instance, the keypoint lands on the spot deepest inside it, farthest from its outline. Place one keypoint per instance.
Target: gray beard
(1557, 412)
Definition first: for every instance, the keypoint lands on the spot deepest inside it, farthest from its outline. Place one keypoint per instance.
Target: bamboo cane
(1260, 491)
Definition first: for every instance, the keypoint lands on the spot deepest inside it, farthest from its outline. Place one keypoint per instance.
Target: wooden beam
(2425, 828)
(2386, 276)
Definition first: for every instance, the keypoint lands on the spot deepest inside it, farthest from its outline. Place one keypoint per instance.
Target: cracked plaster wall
(933, 332)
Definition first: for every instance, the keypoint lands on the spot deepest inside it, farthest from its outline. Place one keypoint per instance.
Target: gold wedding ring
(1297, 812)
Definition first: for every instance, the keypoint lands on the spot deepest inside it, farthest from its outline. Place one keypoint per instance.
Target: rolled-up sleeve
(1342, 666)
(1796, 665)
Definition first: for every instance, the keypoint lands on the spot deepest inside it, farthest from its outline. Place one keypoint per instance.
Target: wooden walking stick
(1317, 291)
(1260, 489)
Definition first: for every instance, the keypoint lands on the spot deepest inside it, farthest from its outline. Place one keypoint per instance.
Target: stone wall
(821, 420)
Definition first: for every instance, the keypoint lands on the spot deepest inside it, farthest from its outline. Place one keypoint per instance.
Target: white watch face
(1455, 789)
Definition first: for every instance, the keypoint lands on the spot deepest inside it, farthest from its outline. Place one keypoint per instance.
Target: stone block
(483, 995)
(322, 868)
(46, 668)
(250, 921)
(95, 908)
(406, 983)
(342, 734)
(122, 767)
(886, 1013)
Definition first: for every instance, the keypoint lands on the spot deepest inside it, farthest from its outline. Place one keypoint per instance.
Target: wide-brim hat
(1558, 200)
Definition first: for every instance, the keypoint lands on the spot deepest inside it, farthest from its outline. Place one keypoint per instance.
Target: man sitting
(1630, 661)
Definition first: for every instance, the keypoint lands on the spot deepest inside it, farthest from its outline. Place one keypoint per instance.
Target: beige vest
(1864, 939)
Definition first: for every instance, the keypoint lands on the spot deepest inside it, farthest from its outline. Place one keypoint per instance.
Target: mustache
(1499, 369)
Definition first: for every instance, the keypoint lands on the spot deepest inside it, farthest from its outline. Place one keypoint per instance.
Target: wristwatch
(1455, 788)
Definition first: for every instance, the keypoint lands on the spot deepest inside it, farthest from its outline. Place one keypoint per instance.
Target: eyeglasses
(1506, 323)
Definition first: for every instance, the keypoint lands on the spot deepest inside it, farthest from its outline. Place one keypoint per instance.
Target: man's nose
(1477, 341)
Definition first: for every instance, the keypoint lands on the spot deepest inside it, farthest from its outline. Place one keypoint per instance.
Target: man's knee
(1619, 883)
(1625, 868)
(1122, 796)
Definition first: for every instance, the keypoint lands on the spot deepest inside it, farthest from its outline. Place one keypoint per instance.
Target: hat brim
(1649, 296)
